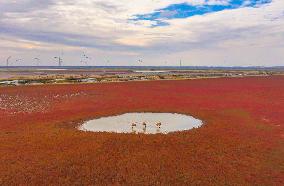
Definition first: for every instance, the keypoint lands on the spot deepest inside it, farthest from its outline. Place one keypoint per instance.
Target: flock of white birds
(15, 104)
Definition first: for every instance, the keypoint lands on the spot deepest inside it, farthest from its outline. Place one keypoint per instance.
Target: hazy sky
(160, 32)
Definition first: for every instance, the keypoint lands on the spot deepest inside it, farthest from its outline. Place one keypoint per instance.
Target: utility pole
(180, 63)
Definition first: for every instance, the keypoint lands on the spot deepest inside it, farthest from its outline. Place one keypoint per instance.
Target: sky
(142, 32)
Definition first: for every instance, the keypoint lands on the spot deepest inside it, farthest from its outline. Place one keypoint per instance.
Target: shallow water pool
(147, 123)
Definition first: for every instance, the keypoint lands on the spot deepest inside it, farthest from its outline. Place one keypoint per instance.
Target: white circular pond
(147, 123)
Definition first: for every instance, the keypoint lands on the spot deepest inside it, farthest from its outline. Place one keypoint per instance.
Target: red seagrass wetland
(241, 141)
(142, 92)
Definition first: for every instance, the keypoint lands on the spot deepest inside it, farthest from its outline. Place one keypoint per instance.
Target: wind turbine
(37, 60)
(85, 58)
(7, 61)
(60, 60)
(18, 60)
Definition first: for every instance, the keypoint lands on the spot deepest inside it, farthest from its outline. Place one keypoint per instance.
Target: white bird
(159, 124)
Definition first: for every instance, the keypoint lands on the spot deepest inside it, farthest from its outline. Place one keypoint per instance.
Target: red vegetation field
(241, 142)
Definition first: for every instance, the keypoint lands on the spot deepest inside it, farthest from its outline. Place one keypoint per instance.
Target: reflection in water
(133, 131)
(144, 127)
(147, 123)
(158, 130)
(133, 125)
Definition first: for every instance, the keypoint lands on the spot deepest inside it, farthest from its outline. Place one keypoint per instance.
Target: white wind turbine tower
(7, 60)
(85, 59)
(59, 59)
(18, 60)
(37, 61)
